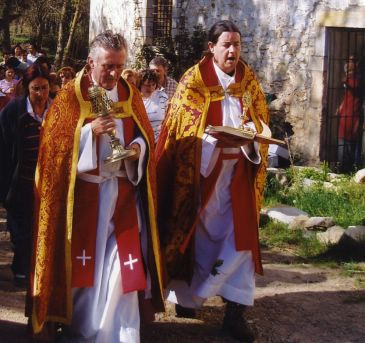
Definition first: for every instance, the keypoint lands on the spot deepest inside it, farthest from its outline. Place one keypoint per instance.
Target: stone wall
(132, 18)
(283, 40)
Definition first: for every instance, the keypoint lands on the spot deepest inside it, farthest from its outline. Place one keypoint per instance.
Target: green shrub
(272, 191)
(20, 39)
(314, 173)
(276, 234)
(344, 202)
(311, 247)
(182, 52)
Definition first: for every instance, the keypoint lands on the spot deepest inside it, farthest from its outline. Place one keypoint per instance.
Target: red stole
(126, 227)
(128, 240)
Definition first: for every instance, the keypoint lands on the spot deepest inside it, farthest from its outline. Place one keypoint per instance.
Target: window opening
(162, 21)
(342, 138)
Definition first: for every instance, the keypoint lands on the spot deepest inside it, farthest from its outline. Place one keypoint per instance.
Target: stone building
(298, 48)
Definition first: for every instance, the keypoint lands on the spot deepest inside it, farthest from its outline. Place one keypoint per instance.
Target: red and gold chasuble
(55, 201)
(125, 221)
(197, 103)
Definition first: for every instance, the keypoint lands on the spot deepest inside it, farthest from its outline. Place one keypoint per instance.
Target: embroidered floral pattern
(180, 143)
(55, 179)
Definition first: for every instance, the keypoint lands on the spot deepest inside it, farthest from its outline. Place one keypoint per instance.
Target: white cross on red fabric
(83, 257)
(131, 261)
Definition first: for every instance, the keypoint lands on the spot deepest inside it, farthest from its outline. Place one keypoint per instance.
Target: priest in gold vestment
(96, 249)
(210, 186)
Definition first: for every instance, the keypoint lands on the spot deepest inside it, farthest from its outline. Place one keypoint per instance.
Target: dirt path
(295, 303)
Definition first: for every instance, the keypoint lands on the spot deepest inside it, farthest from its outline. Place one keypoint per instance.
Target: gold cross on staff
(246, 103)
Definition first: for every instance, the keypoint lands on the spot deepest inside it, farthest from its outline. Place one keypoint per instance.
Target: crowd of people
(101, 243)
(16, 63)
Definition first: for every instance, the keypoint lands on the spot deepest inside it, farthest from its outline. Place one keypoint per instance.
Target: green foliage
(190, 48)
(182, 52)
(311, 247)
(20, 39)
(344, 201)
(354, 268)
(276, 234)
(272, 191)
(304, 244)
(38, 22)
(316, 174)
(49, 41)
(148, 52)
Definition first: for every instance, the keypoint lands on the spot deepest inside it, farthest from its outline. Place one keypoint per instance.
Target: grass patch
(357, 271)
(344, 201)
(316, 174)
(276, 235)
(305, 244)
(353, 268)
(311, 247)
(341, 199)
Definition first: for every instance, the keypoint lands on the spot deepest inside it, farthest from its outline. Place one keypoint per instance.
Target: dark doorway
(342, 138)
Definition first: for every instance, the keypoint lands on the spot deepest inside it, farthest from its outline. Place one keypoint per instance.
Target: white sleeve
(253, 155)
(87, 152)
(209, 154)
(135, 169)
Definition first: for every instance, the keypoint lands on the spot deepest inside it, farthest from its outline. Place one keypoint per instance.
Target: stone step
(2, 219)
(2, 224)
(2, 212)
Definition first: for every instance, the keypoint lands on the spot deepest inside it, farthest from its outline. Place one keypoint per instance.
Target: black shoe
(235, 325)
(184, 312)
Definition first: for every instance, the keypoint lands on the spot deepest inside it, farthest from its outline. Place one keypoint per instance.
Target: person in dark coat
(20, 124)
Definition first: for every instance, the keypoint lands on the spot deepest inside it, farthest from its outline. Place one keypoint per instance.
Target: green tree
(9, 11)
(38, 13)
(182, 52)
(79, 8)
(61, 33)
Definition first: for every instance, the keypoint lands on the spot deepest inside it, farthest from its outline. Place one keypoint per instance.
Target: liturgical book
(246, 133)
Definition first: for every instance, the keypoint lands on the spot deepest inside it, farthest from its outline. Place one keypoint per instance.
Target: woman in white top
(154, 100)
(7, 85)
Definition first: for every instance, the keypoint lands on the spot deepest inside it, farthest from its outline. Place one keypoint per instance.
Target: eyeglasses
(39, 88)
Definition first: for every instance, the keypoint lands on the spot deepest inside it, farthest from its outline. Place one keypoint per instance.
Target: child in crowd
(7, 85)
(154, 99)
